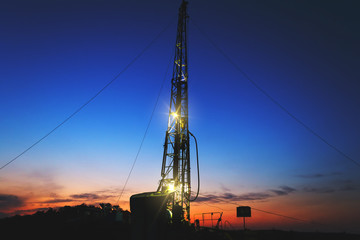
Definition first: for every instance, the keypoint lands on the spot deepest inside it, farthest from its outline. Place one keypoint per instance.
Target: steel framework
(175, 171)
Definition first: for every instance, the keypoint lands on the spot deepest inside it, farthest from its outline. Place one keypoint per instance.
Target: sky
(56, 55)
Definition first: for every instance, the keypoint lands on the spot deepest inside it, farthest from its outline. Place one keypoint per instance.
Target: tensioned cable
(276, 214)
(145, 133)
(273, 213)
(92, 98)
(257, 86)
(280, 215)
(288, 217)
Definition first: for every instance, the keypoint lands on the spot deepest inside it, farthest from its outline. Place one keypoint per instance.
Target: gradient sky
(57, 54)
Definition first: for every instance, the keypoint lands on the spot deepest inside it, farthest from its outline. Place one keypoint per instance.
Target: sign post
(243, 211)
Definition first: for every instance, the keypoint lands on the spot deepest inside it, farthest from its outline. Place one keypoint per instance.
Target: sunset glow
(56, 55)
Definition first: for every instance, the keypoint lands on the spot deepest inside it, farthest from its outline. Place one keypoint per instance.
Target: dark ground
(89, 222)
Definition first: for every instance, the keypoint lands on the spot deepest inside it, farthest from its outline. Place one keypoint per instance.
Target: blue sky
(55, 55)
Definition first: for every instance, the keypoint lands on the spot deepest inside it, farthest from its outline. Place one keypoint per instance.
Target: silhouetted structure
(244, 212)
(175, 171)
(154, 214)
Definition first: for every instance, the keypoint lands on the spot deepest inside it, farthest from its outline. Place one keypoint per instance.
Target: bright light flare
(171, 187)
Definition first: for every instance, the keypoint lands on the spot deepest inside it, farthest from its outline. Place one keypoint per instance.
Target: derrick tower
(175, 171)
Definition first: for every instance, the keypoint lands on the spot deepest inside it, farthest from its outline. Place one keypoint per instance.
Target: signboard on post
(243, 211)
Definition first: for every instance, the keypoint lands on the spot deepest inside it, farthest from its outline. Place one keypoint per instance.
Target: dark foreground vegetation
(78, 222)
(111, 222)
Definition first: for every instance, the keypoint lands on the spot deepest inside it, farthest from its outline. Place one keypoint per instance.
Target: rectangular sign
(243, 211)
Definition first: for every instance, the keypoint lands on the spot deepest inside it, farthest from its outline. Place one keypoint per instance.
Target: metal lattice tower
(175, 171)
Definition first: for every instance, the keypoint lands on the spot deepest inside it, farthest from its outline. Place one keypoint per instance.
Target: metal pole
(212, 224)
(244, 224)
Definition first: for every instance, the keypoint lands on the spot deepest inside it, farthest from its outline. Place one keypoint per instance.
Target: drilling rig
(152, 212)
(175, 171)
